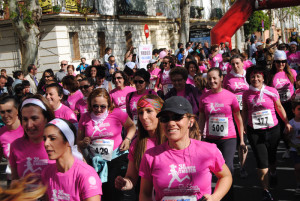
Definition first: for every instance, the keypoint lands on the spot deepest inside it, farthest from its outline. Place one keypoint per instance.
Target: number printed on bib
(167, 88)
(262, 119)
(218, 126)
(103, 147)
(180, 198)
(240, 100)
(284, 94)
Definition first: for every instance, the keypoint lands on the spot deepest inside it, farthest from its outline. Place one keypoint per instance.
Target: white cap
(258, 44)
(130, 65)
(152, 61)
(279, 55)
(293, 43)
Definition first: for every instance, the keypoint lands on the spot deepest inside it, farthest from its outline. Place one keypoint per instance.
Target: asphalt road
(248, 189)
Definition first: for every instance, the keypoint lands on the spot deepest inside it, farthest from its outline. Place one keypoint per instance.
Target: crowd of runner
(96, 132)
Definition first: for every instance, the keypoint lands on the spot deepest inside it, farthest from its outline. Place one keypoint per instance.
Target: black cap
(176, 104)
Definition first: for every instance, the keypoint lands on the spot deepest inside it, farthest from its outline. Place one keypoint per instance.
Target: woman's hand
(125, 145)
(288, 128)
(120, 183)
(208, 197)
(86, 142)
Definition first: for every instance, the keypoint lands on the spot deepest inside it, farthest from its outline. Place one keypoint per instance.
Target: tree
(26, 18)
(255, 22)
(185, 8)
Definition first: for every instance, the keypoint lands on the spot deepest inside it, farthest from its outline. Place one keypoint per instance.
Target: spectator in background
(26, 87)
(188, 46)
(96, 62)
(180, 56)
(294, 37)
(3, 88)
(70, 70)
(32, 71)
(108, 52)
(111, 67)
(179, 45)
(82, 66)
(206, 49)
(226, 48)
(19, 77)
(62, 72)
(9, 82)
(253, 48)
(47, 77)
(221, 48)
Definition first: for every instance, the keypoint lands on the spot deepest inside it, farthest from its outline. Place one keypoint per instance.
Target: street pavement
(248, 189)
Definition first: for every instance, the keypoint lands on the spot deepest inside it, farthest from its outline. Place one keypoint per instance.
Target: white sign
(145, 54)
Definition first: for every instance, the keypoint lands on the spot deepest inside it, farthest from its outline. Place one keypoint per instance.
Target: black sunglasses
(164, 63)
(138, 81)
(84, 87)
(48, 76)
(118, 78)
(175, 117)
(280, 61)
(101, 106)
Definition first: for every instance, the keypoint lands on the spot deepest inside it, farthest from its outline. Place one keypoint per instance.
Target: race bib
(167, 88)
(180, 198)
(262, 119)
(284, 94)
(152, 84)
(240, 100)
(103, 147)
(218, 126)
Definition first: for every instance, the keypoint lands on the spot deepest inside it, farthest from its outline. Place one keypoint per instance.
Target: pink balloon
(162, 54)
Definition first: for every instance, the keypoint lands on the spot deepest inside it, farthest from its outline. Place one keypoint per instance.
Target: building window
(128, 36)
(74, 45)
(101, 43)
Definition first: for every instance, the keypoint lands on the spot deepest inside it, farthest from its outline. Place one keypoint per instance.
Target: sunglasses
(79, 80)
(63, 64)
(48, 76)
(118, 78)
(99, 106)
(84, 87)
(164, 63)
(112, 60)
(280, 61)
(138, 81)
(175, 117)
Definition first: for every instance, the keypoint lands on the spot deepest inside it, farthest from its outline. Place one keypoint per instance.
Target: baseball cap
(258, 44)
(294, 33)
(152, 61)
(293, 43)
(279, 55)
(176, 104)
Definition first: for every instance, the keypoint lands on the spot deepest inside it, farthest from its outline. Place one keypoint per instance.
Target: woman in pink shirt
(69, 178)
(70, 84)
(86, 86)
(54, 94)
(149, 135)
(27, 154)
(154, 72)
(118, 95)
(181, 168)
(100, 139)
(263, 131)
(163, 81)
(192, 69)
(283, 78)
(215, 58)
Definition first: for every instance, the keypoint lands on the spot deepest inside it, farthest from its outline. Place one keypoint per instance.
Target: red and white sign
(146, 30)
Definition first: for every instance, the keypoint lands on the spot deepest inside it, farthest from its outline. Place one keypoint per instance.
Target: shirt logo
(214, 107)
(60, 195)
(36, 162)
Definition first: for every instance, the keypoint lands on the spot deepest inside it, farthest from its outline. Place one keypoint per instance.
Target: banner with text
(145, 54)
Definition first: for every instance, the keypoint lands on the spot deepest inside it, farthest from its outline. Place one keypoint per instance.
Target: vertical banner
(71, 5)
(46, 5)
(145, 54)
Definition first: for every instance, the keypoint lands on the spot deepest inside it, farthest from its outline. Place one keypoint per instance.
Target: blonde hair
(18, 191)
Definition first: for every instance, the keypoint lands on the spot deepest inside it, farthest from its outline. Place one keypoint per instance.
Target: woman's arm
(130, 130)
(245, 115)
(129, 181)
(82, 141)
(146, 190)
(223, 184)
(201, 122)
(94, 198)
(239, 122)
(281, 112)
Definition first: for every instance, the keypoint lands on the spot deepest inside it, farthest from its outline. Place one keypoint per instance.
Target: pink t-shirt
(247, 64)
(7, 137)
(293, 58)
(28, 157)
(216, 60)
(66, 113)
(118, 97)
(224, 66)
(181, 93)
(181, 172)
(151, 142)
(202, 68)
(190, 80)
(165, 78)
(218, 109)
(131, 105)
(111, 128)
(236, 85)
(155, 72)
(283, 85)
(254, 104)
(81, 106)
(78, 183)
(72, 99)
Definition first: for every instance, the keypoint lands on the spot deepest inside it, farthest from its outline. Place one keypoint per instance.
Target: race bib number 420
(262, 119)
(103, 147)
(218, 126)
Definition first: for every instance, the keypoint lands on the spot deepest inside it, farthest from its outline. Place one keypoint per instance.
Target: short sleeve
(217, 160)
(131, 150)
(145, 167)
(90, 186)
(122, 115)
(235, 104)
(82, 122)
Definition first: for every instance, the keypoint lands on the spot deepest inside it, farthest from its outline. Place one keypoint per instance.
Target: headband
(69, 134)
(147, 102)
(34, 101)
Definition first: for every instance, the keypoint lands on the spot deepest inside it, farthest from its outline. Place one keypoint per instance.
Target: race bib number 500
(218, 126)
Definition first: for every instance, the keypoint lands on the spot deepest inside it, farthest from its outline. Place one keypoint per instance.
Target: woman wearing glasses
(118, 95)
(283, 79)
(141, 79)
(99, 137)
(47, 78)
(54, 94)
(86, 86)
(182, 168)
(163, 80)
(71, 85)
